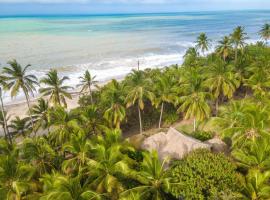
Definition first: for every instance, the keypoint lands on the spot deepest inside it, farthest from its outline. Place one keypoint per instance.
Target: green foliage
(202, 135)
(203, 175)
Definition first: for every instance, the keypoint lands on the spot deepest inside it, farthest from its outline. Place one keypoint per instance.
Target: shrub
(203, 175)
(202, 135)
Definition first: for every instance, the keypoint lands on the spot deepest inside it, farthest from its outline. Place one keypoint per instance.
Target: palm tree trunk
(236, 55)
(30, 111)
(140, 118)
(161, 114)
(6, 132)
(194, 124)
(90, 93)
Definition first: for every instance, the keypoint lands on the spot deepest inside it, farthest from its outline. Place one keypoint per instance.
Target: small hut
(172, 144)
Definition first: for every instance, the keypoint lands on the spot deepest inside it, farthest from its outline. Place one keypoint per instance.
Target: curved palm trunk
(6, 132)
(236, 55)
(140, 118)
(30, 112)
(161, 114)
(217, 105)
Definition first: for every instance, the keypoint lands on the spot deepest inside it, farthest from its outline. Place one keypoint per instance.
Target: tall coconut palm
(203, 43)
(224, 47)
(3, 114)
(193, 101)
(222, 81)
(114, 96)
(17, 78)
(40, 114)
(138, 92)
(265, 32)
(238, 38)
(153, 178)
(87, 82)
(164, 93)
(56, 91)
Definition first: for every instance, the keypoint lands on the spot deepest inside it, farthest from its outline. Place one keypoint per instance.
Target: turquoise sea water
(110, 45)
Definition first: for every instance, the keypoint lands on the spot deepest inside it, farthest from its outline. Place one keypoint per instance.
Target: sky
(30, 7)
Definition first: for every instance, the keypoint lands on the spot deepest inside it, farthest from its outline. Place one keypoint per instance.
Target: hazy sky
(13, 7)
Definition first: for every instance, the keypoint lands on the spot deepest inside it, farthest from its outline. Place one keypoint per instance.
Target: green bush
(202, 135)
(203, 175)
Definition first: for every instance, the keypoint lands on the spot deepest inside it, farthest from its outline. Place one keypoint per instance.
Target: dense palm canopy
(55, 89)
(78, 154)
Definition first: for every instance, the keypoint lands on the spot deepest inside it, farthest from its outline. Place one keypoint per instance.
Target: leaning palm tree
(3, 114)
(87, 82)
(238, 39)
(224, 47)
(203, 43)
(40, 114)
(17, 78)
(56, 91)
(138, 92)
(265, 32)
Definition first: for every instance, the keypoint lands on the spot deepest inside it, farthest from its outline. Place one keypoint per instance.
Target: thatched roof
(174, 144)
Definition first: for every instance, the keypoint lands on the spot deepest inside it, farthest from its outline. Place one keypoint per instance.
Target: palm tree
(265, 32)
(254, 155)
(57, 186)
(153, 178)
(38, 152)
(17, 78)
(40, 114)
(238, 38)
(224, 48)
(15, 177)
(91, 120)
(138, 92)
(57, 92)
(114, 96)
(63, 123)
(194, 98)
(222, 81)
(243, 121)
(20, 127)
(87, 82)
(164, 93)
(202, 43)
(107, 163)
(3, 114)
(79, 147)
(255, 185)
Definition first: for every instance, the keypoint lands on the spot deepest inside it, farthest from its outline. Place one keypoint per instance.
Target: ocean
(111, 45)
